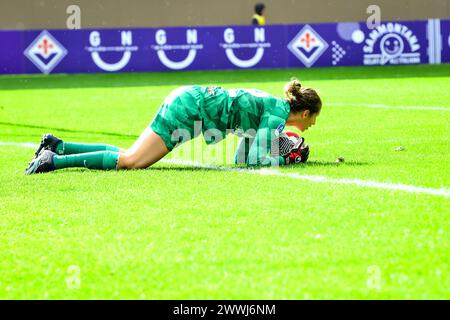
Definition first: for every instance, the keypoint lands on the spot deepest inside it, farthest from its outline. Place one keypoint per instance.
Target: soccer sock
(75, 148)
(103, 160)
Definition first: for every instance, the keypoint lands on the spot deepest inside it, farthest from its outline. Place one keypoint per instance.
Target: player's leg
(60, 147)
(153, 144)
(66, 148)
(171, 126)
(50, 161)
(147, 150)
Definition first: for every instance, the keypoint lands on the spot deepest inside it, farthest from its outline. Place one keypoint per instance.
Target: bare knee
(130, 161)
(147, 150)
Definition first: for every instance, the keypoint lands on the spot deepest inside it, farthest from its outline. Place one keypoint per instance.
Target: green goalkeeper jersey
(253, 114)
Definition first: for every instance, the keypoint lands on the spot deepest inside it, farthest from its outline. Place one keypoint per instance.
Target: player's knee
(130, 161)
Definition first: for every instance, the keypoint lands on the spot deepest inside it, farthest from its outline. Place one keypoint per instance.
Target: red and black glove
(299, 152)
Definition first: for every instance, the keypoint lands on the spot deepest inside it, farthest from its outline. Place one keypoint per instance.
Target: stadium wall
(224, 47)
(51, 14)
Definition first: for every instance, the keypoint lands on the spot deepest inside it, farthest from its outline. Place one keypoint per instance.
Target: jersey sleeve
(259, 154)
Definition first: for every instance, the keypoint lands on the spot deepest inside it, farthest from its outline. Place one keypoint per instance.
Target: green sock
(103, 160)
(75, 148)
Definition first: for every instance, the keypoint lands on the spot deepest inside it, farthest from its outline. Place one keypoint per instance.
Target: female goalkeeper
(253, 114)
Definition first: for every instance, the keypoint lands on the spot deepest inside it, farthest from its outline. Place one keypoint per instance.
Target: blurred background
(51, 14)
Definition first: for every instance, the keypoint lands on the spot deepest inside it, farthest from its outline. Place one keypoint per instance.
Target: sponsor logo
(230, 46)
(126, 48)
(191, 46)
(338, 53)
(391, 43)
(45, 52)
(279, 129)
(308, 46)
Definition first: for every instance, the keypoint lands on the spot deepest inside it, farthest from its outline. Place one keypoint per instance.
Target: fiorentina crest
(307, 46)
(45, 52)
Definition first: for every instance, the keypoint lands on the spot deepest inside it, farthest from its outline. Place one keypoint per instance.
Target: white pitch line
(322, 179)
(20, 144)
(383, 106)
(445, 192)
(399, 141)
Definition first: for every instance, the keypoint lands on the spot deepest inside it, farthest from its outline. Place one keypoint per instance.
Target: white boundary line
(365, 105)
(20, 144)
(383, 106)
(378, 142)
(322, 179)
(445, 192)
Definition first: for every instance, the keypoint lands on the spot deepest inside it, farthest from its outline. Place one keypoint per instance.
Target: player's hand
(299, 152)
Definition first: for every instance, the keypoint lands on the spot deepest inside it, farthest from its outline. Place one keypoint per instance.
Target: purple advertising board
(443, 29)
(225, 47)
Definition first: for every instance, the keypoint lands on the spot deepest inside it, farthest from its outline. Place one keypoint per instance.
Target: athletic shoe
(43, 163)
(48, 142)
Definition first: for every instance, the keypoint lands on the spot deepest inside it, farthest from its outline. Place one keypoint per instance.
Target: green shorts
(178, 119)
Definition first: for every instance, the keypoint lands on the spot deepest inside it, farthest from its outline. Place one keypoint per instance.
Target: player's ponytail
(301, 98)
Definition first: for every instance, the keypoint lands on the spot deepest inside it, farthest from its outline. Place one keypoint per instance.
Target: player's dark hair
(301, 98)
(259, 7)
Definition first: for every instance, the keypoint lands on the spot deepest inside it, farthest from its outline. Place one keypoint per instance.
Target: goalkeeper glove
(299, 152)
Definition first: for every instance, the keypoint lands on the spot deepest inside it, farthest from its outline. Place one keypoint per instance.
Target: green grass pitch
(176, 231)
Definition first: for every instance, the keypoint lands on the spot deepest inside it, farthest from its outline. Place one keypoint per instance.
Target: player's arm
(260, 148)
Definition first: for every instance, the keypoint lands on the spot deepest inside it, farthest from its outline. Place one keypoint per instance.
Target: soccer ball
(283, 144)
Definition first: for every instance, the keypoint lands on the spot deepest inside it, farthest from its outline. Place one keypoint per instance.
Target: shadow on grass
(226, 169)
(148, 79)
(315, 163)
(190, 168)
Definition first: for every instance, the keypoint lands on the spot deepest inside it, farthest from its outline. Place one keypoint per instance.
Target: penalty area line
(445, 192)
